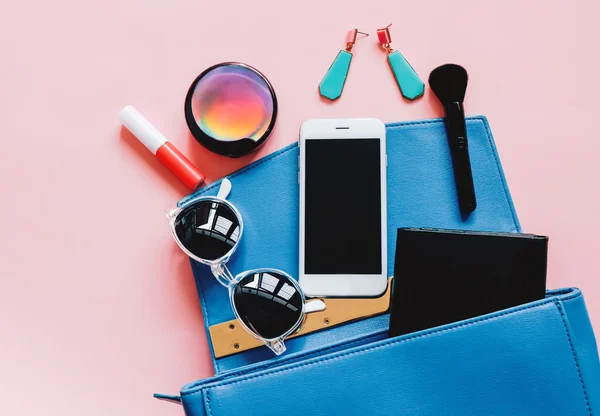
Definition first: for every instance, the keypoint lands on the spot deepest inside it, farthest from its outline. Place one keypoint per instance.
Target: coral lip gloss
(164, 151)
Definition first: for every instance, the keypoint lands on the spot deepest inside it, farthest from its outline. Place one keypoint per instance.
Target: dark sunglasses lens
(268, 303)
(208, 229)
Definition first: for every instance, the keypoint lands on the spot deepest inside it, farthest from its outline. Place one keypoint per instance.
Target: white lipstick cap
(142, 129)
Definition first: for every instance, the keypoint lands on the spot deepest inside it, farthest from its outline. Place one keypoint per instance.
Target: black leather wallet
(444, 276)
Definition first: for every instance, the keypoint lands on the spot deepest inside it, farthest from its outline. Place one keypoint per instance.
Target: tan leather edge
(231, 338)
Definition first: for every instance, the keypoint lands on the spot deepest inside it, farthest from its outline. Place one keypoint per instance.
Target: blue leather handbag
(535, 359)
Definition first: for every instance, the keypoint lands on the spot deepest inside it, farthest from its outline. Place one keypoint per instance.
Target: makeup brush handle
(461, 163)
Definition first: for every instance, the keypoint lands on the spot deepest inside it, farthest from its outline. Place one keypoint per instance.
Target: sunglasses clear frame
(225, 277)
(217, 266)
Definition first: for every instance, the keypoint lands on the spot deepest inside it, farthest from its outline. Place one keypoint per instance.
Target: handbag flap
(421, 193)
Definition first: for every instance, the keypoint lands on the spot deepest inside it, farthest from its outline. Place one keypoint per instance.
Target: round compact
(231, 109)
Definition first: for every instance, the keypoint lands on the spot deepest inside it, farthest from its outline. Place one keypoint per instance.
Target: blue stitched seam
(305, 356)
(384, 344)
(501, 173)
(207, 400)
(564, 321)
(206, 323)
(391, 126)
(567, 295)
(208, 392)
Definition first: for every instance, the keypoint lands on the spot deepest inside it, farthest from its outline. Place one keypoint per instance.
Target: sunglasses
(269, 303)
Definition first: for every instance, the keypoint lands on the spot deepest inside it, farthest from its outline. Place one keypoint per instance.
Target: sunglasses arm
(224, 189)
(316, 305)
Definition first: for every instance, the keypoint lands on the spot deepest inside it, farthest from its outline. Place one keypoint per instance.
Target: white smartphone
(343, 208)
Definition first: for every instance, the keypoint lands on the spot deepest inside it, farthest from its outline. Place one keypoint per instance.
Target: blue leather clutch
(536, 359)
(540, 358)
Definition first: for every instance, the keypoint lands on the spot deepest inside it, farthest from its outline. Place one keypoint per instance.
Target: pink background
(98, 307)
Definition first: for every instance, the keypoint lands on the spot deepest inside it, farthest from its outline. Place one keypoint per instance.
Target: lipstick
(164, 151)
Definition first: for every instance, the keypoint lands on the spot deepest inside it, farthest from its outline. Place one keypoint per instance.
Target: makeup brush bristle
(449, 83)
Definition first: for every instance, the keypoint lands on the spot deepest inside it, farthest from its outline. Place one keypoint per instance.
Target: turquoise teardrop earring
(411, 86)
(332, 85)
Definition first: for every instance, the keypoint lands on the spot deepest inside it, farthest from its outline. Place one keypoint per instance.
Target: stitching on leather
(208, 408)
(502, 177)
(389, 343)
(208, 392)
(573, 293)
(304, 356)
(563, 318)
(205, 316)
(400, 124)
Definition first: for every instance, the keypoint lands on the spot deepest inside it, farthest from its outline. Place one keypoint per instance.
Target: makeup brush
(449, 84)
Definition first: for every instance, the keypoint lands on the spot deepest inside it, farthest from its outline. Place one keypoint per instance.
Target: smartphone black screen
(342, 206)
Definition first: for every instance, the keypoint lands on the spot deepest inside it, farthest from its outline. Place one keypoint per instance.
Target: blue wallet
(539, 358)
